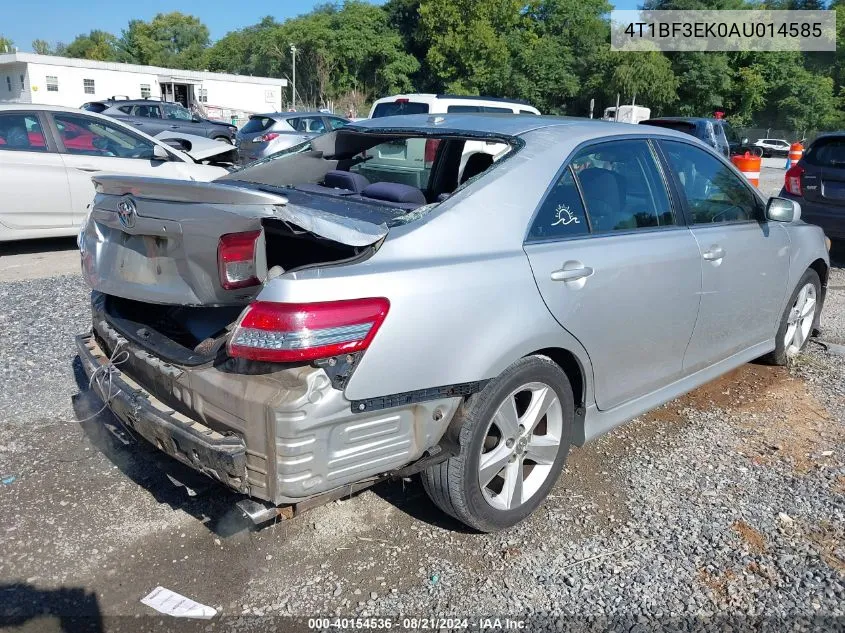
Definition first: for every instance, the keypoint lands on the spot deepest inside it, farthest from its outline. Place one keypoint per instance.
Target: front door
(617, 268)
(744, 259)
(32, 177)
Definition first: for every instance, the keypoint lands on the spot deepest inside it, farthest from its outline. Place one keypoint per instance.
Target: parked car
(411, 160)
(717, 133)
(773, 147)
(266, 134)
(300, 333)
(48, 155)
(153, 117)
(817, 182)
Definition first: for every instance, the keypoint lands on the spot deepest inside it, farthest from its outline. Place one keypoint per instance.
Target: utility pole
(293, 91)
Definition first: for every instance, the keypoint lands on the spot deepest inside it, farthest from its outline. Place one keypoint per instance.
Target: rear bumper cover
(222, 457)
(280, 434)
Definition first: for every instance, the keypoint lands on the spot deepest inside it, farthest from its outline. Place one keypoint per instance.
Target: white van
(442, 104)
(409, 161)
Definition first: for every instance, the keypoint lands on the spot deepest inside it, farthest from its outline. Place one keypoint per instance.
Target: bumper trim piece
(222, 457)
(421, 395)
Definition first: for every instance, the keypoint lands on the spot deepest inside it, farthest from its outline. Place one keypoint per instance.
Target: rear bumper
(222, 457)
(831, 218)
(280, 434)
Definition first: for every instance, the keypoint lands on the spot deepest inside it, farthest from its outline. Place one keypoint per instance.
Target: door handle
(174, 127)
(90, 168)
(572, 274)
(715, 252)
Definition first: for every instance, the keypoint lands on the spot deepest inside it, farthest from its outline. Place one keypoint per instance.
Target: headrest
(394, 192)
(337, 179)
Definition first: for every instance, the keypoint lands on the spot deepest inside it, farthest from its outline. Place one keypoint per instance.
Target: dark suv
(717, 133)
(154, 117)
(817, 183)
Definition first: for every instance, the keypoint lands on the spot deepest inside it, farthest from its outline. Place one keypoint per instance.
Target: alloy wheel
(800, 320)
(520, 446)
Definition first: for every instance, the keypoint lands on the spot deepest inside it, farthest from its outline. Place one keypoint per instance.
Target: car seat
(477, 163)
(604, 194)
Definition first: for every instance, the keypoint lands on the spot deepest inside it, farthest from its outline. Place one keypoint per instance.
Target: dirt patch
(717, 583)
(829, 539)
(752, 537)
(839, 485)
(781, 421)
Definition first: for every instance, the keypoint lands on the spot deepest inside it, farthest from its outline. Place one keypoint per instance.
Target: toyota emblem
(126, 212)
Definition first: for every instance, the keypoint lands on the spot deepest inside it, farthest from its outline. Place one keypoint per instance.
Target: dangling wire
(106, 372)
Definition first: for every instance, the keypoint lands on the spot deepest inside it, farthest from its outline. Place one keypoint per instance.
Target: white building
(32, 78)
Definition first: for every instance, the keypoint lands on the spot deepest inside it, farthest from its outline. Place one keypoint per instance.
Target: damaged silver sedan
(490, 291)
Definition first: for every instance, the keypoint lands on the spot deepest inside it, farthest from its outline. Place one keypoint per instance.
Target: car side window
(21, 132)
(177, 113)
(337, 123)
(96, 137)
(623, 187)
(146, 111)
(713, 192)
(561, 214)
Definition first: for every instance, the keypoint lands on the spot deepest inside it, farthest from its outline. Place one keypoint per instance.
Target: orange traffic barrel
(749, 165)
(796, 151)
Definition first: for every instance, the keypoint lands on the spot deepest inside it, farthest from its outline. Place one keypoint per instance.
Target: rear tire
(514, 439)
(796, 324)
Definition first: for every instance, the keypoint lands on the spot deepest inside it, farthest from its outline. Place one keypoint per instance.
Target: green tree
(42, 47)
(646, 77)
(98, 45)
(169, 39)
(6, 45)
(469, 42)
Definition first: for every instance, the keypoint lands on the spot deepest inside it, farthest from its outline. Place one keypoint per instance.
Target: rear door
(617, 267)
(148, 118)
(744, 259)
(823, 182)
(33, 179)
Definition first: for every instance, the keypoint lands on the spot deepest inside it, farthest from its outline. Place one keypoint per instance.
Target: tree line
(553, 53)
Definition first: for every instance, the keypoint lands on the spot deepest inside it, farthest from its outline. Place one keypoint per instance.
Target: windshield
(399, 107)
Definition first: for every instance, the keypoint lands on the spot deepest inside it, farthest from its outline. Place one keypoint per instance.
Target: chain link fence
(755, 133)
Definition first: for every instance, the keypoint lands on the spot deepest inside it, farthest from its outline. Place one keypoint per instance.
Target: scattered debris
(785, 518)
(171, 603)
(9, 479)
(434, 578)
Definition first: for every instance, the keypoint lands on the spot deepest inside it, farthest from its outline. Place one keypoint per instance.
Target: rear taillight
(290, 332)
(792, 181)
(431, 146)
(402, 100)
(236, 260)
(266, 138)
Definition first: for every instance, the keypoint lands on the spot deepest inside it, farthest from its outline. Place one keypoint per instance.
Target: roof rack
(482, 98)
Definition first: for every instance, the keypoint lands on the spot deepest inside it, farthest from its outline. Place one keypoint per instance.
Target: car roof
(430, 97)
(502, 124)
(29, 107)
(292, 115)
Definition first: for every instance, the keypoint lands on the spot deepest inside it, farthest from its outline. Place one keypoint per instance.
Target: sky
(62, 20)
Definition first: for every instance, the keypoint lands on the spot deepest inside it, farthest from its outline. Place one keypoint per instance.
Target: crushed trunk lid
(155, 240)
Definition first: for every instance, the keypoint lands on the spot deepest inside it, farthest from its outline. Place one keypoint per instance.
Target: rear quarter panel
(464, 303)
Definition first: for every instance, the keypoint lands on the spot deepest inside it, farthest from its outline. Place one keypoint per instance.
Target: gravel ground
(725, 505)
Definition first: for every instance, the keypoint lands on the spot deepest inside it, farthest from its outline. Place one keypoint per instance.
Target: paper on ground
(171, 603)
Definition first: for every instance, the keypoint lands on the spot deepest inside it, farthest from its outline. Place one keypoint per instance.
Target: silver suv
(299, 333)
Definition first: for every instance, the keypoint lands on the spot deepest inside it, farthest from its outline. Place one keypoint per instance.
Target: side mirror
(196, 118)
(783, 210)
(159, 153)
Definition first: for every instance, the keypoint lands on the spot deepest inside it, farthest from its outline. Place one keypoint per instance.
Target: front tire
(796, 324)
(514, 439)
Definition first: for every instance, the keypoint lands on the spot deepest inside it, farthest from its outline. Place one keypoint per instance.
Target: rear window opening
(401, 172)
